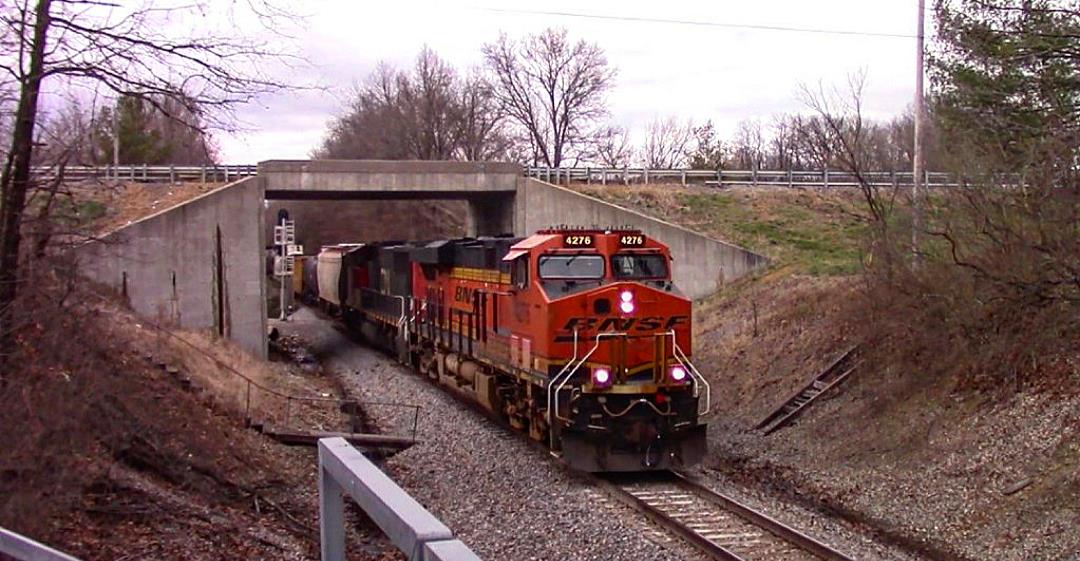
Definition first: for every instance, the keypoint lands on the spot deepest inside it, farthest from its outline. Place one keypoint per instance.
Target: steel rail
(762, 520)
(659, 517)
(745, 514)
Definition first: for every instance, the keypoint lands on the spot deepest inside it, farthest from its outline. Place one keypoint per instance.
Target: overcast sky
(724, 72)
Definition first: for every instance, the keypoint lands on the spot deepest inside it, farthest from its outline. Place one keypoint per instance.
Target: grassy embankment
(802, 231)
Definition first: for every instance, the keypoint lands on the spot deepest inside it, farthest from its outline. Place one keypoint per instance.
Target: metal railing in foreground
(409, 526)
(22, 548)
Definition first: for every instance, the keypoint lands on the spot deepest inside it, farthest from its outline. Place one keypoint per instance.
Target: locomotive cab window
(639, 266)
(572, 267)
(519, 272)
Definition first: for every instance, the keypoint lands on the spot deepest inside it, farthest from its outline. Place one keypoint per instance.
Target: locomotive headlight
(601, 376)
(678, 373)
(626, 302)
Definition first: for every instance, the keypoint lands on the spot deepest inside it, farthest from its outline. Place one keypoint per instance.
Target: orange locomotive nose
(631, 325)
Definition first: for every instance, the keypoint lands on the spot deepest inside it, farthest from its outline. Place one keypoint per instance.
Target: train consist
(577, 337)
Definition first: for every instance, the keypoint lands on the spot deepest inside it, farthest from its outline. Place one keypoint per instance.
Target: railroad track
(719, 526)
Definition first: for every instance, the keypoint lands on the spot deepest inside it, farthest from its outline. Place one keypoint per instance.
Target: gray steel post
(331, 515)
(26, 549)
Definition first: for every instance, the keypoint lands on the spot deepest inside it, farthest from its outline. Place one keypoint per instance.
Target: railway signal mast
(285, 239)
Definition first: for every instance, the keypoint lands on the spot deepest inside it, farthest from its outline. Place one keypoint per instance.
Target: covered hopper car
(577, 337)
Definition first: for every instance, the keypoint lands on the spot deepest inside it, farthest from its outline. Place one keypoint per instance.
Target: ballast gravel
(499, 494)
(505, 497)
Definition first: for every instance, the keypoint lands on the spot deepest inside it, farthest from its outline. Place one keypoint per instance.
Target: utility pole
(917, 157)
(116, 141)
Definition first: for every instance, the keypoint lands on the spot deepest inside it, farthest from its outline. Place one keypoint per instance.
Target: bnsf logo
(649, 323)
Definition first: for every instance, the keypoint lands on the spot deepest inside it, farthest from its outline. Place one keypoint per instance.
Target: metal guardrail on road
(725, 177)
(561, 175)
(155, 174)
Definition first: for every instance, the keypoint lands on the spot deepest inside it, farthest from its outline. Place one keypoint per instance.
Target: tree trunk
(15, 179)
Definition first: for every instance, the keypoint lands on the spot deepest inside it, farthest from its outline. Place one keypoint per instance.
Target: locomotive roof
(559, 230)
(533, 241)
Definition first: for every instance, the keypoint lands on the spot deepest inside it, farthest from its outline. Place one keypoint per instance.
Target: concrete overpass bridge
(200, 264)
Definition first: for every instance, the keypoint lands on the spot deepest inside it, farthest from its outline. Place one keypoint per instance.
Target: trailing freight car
(336, 268)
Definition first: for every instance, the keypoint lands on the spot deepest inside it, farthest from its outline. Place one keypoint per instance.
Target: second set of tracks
(717, 525)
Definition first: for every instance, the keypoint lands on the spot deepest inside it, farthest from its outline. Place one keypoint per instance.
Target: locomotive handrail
(570, 373)
(681, 357)
(551, 433)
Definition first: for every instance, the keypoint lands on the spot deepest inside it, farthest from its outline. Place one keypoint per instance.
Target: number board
(578, 240)
(631, 240)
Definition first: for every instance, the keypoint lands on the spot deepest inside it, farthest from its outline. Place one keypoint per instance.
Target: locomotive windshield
(571, 267)
(639, 266)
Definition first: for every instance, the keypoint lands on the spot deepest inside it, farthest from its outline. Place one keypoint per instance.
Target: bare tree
(552, 88)
(480, 126)
(666, 143)
(838, 135)
(748, 146)
(708, 152)
(428, 113)
(613, 148)
(374, 125)
(8, 100)
(125, 51)
(427, 102)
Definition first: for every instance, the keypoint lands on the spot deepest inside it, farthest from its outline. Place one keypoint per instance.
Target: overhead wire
(749, 26)
(698, 23)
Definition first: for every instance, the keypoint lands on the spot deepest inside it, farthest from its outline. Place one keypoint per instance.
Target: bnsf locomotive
(577, 337)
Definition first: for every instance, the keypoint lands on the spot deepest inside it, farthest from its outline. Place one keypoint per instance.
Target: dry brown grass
(105, 452)
(81, 405)
(108, 207)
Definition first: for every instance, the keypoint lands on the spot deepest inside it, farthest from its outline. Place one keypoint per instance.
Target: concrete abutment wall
(198, 265)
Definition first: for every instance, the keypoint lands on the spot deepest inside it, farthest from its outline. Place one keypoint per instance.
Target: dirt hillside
(953, 472)
(121, 442)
